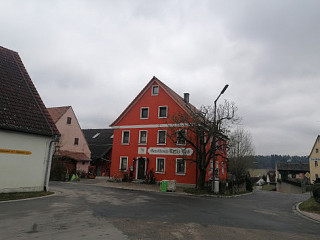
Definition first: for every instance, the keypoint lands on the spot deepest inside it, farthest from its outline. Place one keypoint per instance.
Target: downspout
(49, 161)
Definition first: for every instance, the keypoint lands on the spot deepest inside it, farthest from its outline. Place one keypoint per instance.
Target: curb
(173, 193)
(32, 198)
(306, 215)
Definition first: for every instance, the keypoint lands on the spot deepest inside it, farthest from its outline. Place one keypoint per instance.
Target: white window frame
(141, 113)
(152, 91)
(181, 144)
(159, 111)
(126, 169)
(123, 143)
(143, 143)
(180, 173)
(165, 137)
(164, 165)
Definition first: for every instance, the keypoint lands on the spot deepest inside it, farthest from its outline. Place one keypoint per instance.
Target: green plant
(316, 192)
(310, 205)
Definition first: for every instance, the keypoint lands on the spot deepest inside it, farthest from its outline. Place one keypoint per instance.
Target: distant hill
(268, 162)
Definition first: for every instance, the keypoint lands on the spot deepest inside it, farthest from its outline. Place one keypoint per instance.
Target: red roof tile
(21, 108)
(74, 155)
(57, 112)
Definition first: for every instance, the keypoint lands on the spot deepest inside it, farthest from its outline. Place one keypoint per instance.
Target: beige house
(314, 160)
(72, 142)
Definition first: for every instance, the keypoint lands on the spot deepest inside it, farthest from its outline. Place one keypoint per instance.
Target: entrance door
(141, 168)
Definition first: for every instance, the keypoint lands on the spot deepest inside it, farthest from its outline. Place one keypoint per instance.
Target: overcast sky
(97, 55)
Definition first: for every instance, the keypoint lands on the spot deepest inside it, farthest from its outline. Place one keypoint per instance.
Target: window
(181, 137)
(123, 163)
(125, 137)
(163, 112)
(155, 90)
(144, 113)
(76, 141)
(160, 165)
(222, 168)
(143, 136)
(316, 176)
(317, 150)
(316, 163)
(96, 135)
(181, 166)
(69, 120)
(162, 136)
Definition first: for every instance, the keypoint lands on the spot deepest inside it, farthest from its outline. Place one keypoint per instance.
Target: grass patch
(270, 187)
(22, 195)
(310, 205)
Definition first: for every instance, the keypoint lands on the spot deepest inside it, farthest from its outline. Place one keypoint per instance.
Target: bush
(316, 192)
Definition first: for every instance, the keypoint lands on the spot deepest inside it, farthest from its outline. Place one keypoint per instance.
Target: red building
(141, 143)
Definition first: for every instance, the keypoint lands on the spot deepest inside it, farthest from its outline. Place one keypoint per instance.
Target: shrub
(316, 192)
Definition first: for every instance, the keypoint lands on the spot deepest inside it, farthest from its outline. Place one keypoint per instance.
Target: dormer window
(155, 90)
(144, 113)
(69, 120)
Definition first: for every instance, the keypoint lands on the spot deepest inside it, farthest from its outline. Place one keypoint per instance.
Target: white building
(27, 132)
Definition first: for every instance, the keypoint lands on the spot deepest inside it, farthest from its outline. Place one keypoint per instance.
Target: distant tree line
(269, 162)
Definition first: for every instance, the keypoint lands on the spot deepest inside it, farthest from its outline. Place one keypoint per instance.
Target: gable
(57, 112)
(316, 146)
(146, 99)
(21, 106)
(69, 131)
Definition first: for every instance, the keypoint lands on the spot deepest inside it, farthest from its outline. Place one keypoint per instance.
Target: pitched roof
(187, 107)
(99, 140)
(79, 156)
(21, 108)
(293, 166)
(314, 145)
(57, 112)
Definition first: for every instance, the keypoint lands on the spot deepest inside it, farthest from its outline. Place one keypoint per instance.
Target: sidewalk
(103, 181)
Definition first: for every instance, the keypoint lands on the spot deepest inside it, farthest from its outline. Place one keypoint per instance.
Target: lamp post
(216, 174)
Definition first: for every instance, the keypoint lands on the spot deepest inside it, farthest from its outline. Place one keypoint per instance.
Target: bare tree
(240, 153)
(202, 130)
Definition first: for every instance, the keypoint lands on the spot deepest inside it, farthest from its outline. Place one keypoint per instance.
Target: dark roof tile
(99, 140)
(21, 108)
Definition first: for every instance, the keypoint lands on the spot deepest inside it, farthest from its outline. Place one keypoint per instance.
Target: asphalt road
(82, 211)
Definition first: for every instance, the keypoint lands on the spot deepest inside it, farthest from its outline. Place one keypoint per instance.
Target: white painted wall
(20, 173)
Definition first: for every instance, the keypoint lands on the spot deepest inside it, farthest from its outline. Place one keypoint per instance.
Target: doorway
(141, 168)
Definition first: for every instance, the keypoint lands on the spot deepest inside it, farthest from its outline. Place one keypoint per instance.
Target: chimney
(186, 97)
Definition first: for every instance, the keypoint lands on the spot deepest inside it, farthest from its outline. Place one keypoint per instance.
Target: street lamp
(216, 174)
(215, 101)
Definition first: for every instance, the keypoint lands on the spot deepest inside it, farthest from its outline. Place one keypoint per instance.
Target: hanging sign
(170, 151)
(10, 151)
(142, 150)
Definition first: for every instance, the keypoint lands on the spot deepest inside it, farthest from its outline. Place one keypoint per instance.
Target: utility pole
(216, 175)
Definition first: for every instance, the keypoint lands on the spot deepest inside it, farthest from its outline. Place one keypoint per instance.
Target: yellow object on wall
(10, 151)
